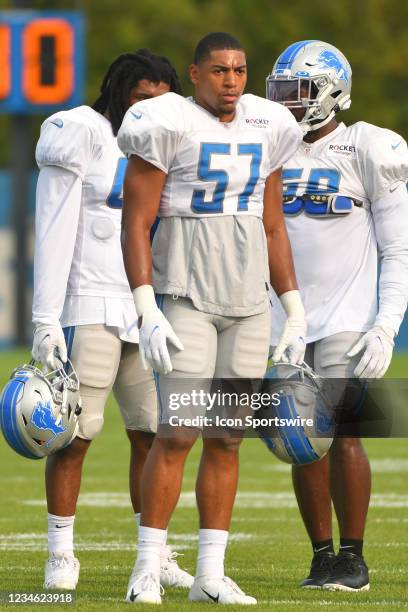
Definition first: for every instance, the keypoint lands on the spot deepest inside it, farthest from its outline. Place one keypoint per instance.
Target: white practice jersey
(79, 271)
(213, 168)
(334, 242)
(212, 202)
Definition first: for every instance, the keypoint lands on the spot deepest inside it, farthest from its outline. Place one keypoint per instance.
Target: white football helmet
(301, 394)
(313, 75)
(39, 412)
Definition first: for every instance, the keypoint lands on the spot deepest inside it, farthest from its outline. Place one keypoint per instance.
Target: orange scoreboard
(41, 61)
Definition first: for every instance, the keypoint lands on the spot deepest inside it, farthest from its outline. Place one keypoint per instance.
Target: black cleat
(350, 573)
(320, 570)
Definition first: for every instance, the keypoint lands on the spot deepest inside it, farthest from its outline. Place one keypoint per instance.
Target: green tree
(371, 33)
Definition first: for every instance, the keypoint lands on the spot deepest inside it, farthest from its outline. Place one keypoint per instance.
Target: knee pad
(90, 428)
(93, 405)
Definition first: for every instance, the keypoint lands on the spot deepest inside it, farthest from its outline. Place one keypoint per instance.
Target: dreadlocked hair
(124, 74)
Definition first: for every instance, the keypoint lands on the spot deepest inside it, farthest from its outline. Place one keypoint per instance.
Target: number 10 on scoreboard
(41, 61)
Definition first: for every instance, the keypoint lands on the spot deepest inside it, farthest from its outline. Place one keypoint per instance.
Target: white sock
(211, 551)
(60, 534)
(164, 553)
(149, 545)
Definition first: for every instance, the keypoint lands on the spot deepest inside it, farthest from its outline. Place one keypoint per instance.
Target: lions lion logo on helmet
(328, 59)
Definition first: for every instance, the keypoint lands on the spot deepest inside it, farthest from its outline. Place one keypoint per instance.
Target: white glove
(154, 331)
(377, 345)
(49, 346)
(292, 344)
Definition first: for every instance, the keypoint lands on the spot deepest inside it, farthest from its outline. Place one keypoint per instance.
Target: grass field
(268, 552)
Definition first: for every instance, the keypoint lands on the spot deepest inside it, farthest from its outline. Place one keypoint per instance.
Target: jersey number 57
(198, 202)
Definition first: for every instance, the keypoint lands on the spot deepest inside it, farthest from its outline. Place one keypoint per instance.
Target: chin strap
(315, 124)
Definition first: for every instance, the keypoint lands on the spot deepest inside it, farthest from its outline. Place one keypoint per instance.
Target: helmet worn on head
(301, 397)
(39, 412)
(313, 75)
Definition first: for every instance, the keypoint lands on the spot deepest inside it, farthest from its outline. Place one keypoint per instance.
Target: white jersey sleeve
(384, 160)
(151, 130)
(58, 202)
(288, 138)
(66, 143)
(390, 214)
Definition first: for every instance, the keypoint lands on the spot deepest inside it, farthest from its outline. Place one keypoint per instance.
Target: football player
(83, 306)
(211, 167)
(345, 205)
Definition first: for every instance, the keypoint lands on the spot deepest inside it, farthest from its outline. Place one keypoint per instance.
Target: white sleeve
(385, 163)
(390, 215)
(287, 142)
(58, 202)
(65, 143)
(147, 133)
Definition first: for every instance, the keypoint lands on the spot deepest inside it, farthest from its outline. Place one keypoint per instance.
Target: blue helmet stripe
(283, 413)
(14, 438)
(289, 434)
(296, 442)
(1, 409)
(13, 414)
(287, 57)
(7, 404)
(18, 443)
(8, 417)
(301, 436)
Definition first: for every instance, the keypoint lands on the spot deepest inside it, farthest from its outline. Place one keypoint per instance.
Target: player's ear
(193, 70)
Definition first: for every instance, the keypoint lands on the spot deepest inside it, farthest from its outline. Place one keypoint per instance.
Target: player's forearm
(137, 255)
(142, 191)
(392, 295)
(58, 200)
(391, 226)
(393, 288)
(281, 268)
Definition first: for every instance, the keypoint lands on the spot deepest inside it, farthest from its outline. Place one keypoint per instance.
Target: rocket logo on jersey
(258, 122)
(343, 149)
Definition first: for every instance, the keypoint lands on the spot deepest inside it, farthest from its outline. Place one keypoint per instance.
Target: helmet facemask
(63, 384)
(321, 89)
